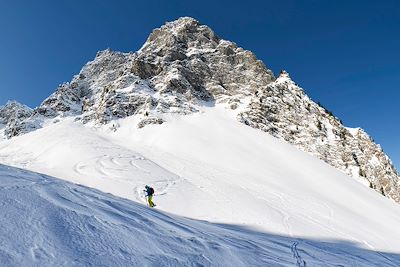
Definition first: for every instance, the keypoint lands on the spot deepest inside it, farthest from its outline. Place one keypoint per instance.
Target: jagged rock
(144, 70)
(149, 120)
(19, 127)
(198, 64)
(12, 111)
(12, 116)
(283, 110)
(64, 101)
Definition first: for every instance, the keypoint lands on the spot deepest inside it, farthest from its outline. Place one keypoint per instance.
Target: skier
(149, 194)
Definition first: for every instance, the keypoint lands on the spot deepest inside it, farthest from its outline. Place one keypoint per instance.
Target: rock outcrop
(283, 110)
(12, 115)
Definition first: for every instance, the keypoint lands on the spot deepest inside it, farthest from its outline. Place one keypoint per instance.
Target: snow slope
(207, 166)
(49, 222)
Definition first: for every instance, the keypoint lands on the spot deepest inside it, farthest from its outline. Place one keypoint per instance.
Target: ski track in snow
(129, 169)
(299, 261)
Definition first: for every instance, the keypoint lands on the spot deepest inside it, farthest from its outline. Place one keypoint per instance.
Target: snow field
(209, 167)
(50, 222)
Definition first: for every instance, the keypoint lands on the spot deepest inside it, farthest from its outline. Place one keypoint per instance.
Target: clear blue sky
(344, 53)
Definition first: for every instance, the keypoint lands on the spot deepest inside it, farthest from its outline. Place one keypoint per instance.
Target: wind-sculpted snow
(49, 222)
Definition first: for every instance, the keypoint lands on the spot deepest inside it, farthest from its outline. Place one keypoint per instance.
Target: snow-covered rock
(184, 65)
(283, 110)
(11, 115)
(181, 64)
(12, 111)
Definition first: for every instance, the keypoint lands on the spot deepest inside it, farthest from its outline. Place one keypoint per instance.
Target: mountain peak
(13, 111)
(104, 52)
(284, 77)
(11, 103)
(183, 22)
(184, 25)
(181, 33)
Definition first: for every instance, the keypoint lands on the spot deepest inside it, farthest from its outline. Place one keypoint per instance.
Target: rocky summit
(184, 65)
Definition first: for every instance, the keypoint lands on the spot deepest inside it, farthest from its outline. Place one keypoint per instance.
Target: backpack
(151, 190)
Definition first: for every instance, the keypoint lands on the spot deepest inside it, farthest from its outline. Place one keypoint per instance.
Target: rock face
(13, 111)
(12, 115)
(184, 65)
(181, 65)
(282, 109)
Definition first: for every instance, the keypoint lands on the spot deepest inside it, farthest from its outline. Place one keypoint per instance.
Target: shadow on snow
(47, 221)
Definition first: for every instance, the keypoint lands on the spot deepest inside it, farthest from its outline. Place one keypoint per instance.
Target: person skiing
(149, 194)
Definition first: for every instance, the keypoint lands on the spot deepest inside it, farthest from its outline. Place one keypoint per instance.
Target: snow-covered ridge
(13, 110)
(184, 65)
(284, 110)
(11, 115)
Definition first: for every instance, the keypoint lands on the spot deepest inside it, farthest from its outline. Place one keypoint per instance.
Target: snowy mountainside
(284, 110)
(202, 168)
(63, 224)
(184, 66)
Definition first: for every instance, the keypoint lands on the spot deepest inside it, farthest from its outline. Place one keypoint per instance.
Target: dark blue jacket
(149, 191)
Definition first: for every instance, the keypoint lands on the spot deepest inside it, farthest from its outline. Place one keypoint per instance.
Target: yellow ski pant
(149, 199)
